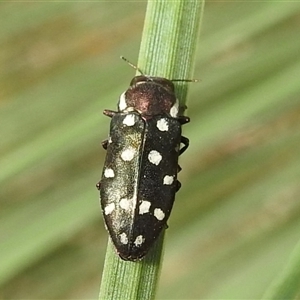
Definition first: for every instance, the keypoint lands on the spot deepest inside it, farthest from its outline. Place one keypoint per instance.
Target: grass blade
(167, 50)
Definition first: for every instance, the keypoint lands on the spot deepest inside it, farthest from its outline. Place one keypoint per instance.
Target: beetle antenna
(132, 65)
(149, 77)
(186, 80)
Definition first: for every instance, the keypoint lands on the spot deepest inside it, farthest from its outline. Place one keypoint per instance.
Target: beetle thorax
(148, 98)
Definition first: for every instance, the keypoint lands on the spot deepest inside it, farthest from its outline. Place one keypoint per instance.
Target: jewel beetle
(139, 178)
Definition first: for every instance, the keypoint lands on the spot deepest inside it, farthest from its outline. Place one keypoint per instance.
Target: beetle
(139, 178)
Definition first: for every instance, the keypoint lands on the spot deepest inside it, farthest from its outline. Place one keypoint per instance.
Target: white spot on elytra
(144, 207)
(122, 102)
(139, 240)
(124, 203)
(109, 173)
(129, 120)
(109, 208)
(168, 180)
(162, 124)
(109, 140)
(123, 238)
(154, 157)
(128, 154)
(174, 109)
(159, 214)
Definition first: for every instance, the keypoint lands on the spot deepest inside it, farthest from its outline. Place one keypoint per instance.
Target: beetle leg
(185, 141)
(178, 185)
(183, 120)
(98, 185)
(109, 113)
(104, 144)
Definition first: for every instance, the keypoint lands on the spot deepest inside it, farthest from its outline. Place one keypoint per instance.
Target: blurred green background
(236, 218)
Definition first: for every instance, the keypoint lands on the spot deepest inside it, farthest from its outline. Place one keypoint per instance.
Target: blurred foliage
(236, 218)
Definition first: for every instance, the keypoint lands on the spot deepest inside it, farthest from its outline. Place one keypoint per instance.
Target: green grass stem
(167, 50)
